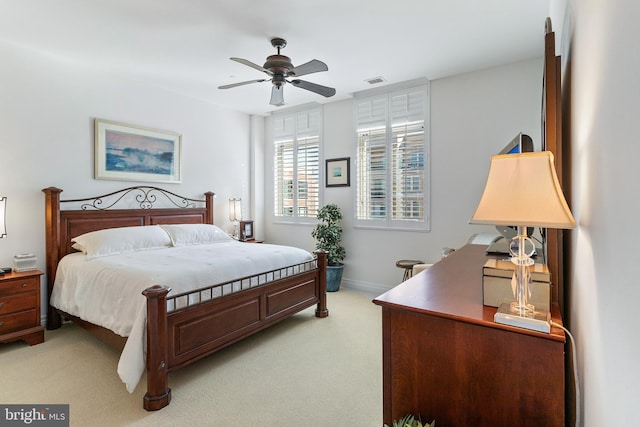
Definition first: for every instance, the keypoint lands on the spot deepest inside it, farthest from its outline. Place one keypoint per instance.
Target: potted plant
(328, 235)
(411, 421)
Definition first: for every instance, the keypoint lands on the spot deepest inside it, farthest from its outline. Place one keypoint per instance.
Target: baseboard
(373, 289)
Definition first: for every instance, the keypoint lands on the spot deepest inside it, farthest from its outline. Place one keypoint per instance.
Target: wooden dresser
(20, 307)
(444, 357)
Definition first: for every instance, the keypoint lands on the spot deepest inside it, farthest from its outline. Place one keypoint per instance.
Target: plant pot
(334, 277)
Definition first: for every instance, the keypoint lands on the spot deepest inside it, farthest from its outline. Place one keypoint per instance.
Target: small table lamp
(235, 215)
(523, 190)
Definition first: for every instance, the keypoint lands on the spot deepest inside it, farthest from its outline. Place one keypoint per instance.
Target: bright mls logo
(36, 415)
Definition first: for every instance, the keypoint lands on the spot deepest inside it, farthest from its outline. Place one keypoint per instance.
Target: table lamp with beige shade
(522, 190)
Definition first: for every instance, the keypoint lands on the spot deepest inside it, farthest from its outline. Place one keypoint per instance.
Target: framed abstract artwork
(337, 172)
(134, 153)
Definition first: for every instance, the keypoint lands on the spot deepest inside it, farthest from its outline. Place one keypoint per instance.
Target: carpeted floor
(303, 371)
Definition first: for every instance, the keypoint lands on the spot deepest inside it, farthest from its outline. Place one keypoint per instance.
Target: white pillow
(194, 234)
(112, 241)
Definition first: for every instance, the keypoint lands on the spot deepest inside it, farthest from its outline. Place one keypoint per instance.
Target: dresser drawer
(18, 321)
(19, 285)
(17, 303)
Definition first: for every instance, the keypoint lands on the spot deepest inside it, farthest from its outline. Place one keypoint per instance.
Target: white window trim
(389, 223)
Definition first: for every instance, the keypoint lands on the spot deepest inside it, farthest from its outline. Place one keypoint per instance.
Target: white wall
(603, 303)
(47, 106)
(472, 117)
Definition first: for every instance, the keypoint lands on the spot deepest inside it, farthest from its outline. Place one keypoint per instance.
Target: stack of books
(496, 284)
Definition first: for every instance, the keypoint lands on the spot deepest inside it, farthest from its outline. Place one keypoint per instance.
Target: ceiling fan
(280, 71)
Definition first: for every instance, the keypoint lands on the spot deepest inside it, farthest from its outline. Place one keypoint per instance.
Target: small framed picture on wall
(246, 231)
(337, 172)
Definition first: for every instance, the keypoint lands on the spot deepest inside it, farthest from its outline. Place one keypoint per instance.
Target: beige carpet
(304, 371)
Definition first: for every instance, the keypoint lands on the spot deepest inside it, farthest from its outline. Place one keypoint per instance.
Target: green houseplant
(410, 421)
(328, 235)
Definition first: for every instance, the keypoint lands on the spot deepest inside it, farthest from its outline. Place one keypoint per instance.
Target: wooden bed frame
(178, 337)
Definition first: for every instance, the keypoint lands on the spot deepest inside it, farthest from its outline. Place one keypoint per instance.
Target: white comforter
(107, 291)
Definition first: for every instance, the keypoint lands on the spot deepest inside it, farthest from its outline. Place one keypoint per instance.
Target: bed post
(52, 234)
(208, 197)
(158, 393)
(322, 311)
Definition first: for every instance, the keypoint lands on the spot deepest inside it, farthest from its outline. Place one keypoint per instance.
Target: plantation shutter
(408, 148)
(371, 117)
(297, 164)
(390, 164)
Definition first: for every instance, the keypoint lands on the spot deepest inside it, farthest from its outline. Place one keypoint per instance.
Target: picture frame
(129, 152)
(246, 230)
(338, 172)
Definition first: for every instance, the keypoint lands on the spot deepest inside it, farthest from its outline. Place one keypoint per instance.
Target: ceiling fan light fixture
(279, 67)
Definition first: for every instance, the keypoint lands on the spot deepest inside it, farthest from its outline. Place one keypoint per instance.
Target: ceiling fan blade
(241, 83)
(277, 95)
(313, 66)
(252, 65)
(313, 87)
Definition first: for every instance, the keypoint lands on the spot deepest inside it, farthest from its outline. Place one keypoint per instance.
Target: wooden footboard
(180, 337)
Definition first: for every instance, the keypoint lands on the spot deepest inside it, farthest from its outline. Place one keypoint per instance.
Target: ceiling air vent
(375, 80)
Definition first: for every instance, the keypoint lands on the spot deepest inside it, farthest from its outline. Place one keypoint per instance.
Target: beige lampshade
(235, 209)
(523, 190)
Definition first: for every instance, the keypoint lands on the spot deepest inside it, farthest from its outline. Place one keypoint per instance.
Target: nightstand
(20, 307)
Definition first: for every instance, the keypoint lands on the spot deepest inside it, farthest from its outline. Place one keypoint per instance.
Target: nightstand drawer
(18, 303)
(18, 285)
(18, 321)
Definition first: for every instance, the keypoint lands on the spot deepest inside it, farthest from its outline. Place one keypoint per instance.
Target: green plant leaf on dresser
(411, 421)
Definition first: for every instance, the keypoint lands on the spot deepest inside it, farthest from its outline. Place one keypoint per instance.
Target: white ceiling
(185, 45)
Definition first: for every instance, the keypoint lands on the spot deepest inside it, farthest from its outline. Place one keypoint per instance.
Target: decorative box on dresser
(444, 357)
(20, 307)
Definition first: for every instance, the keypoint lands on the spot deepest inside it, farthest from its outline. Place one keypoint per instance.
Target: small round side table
(407, 264)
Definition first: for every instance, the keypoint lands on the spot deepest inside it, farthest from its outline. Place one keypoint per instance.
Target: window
(296, 141)
(391, 166)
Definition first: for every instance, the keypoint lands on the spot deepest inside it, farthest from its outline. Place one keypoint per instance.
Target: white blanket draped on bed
(107, 291)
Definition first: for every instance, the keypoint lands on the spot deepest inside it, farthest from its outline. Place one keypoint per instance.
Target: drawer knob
(1, 323)
(24, 285)
(1, 304)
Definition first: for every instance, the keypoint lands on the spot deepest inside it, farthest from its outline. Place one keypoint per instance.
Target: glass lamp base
(537, 321)
(526, 310)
